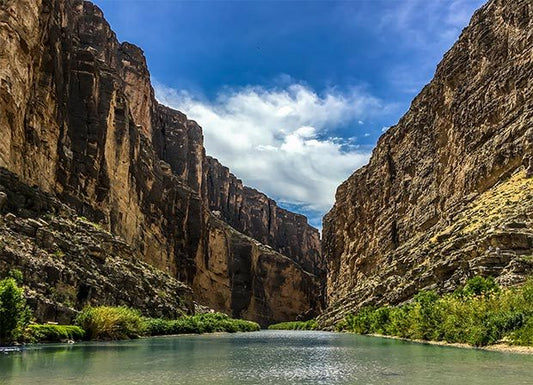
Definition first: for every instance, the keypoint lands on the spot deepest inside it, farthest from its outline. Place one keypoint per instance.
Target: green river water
(266, 357)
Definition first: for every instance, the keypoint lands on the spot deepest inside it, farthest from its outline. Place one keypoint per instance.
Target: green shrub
(524, 335)
(197, 324)
(111, 323)
(399, 322)
(479, 314)
(295, 325)
(425, 316)
(54, 333)
(16, 275)
(478, 286)
(14, 314)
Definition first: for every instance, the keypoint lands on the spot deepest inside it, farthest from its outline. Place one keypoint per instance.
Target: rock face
(68, 262)
(256, 215)
(445, 194)
(79, 119)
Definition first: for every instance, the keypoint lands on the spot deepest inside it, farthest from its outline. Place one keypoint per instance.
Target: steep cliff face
(445, 194)
(68, 262)
(79, 119)
(264, 285)
(256, 215)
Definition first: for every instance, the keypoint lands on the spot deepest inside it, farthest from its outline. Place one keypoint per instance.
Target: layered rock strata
(446, 193)
(68, 262)
(256, 215)
(79, 119)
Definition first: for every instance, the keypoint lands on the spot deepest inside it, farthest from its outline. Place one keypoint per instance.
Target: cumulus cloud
(280, 140)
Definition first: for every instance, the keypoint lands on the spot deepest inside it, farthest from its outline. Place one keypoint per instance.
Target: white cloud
(280, 140)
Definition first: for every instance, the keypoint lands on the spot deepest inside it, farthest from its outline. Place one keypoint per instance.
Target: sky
(292, 95)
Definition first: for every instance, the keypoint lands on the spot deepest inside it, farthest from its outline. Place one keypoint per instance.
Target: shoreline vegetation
(498, 347)
(311, 324)
(481, 314)
(101, 322)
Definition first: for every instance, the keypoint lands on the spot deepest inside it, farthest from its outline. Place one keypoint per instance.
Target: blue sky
(292, 95)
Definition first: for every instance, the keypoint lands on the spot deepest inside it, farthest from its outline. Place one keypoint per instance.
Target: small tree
(14, 314)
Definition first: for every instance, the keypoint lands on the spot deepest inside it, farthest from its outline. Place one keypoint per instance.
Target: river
(266, 357)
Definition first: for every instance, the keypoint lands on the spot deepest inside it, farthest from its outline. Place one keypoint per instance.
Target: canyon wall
(256, 215)
(447, 193)
(79, 120)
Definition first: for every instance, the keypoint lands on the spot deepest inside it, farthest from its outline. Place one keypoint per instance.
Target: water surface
(266, 357)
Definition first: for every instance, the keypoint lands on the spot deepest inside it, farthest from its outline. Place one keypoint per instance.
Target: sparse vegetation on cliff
(295, 325)
(479, 314)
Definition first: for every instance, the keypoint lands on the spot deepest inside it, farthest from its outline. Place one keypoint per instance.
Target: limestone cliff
(68, 262)
(256, 215)
(79, 120)
(446, 193)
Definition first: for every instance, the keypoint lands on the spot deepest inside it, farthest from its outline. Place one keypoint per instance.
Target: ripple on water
(267, 357)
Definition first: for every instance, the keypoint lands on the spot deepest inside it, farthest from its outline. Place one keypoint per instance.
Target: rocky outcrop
(68, 262)
(79, 120)
(445, 194)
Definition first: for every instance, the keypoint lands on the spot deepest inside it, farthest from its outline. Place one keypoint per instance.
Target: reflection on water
(266, 357)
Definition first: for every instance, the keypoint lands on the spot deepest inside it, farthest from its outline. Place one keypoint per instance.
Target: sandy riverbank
(501, 347)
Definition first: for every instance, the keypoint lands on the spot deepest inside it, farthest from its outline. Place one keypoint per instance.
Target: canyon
(108, 197)
(80, 124)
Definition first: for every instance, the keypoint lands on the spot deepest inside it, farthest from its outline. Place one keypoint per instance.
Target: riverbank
(480, 314)
(500, 347)
(100, 322)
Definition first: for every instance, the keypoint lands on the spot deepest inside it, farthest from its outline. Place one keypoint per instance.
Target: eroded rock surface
(446, 193)
(68, 262)
(79, 120)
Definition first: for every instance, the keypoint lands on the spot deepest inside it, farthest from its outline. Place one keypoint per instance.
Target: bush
(425, 316)
(295, 325)
(479, 285)
(524, 335)
(111, 323)
(478, 314)
(54, 333)
(14, 314)
(197, 324)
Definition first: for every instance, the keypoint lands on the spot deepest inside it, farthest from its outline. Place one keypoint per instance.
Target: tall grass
(114, 323)
(53, 333)
(479, 314)
(295, 325)
(111, 323)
